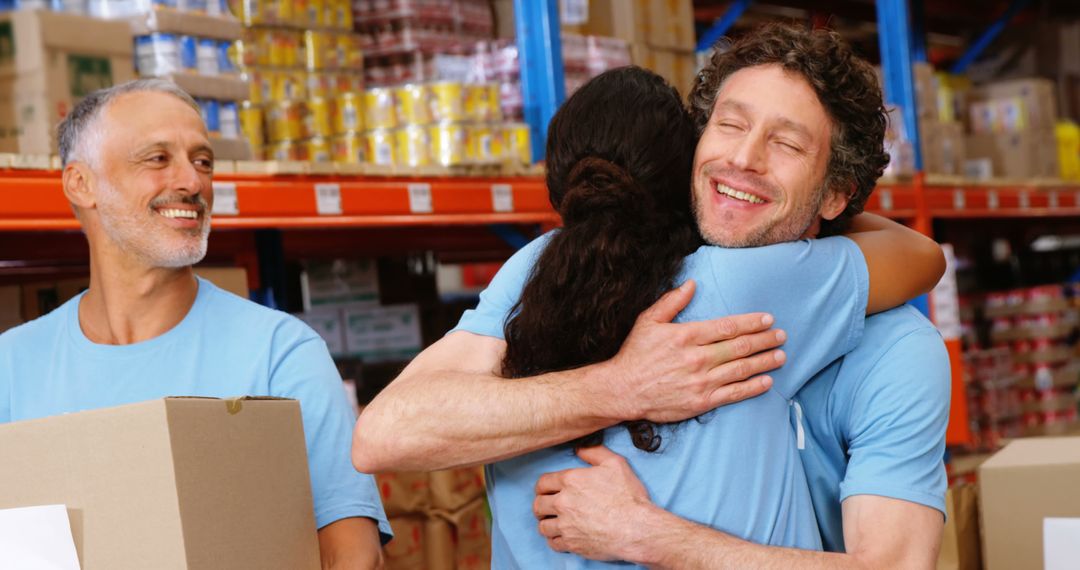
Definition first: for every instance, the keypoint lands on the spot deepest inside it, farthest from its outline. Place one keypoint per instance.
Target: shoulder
(240, 316)
(38, 332)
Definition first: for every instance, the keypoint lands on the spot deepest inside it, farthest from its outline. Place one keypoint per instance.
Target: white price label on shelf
(328, 199)
(420, 198)
(1025, 200)
(1052, 199)
(886, 199)
(225, 202)
(992, 200)
(958, 201)
(502, 198)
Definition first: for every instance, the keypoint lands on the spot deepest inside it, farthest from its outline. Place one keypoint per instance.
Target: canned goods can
(319, 85)
(342, 17)
(319, 50)
(518, 145)
(413, 146)
(414, 104)
(157, 54)
(277, 11)
(347, 83)
(485, 143)
(319, 117)
(349, 148)
(189, 52)
(449, 142)
(380, 112)
(230, 120)
(286, 150)
(285, 121)
(318, 149)
(448, 101)
(478, 102)
(246, 52)
(251, 122)
(380, 146)
(250, 12)
(258, 85)
(348, 113)
(288, 85)
(211, 114)
(316, 13)
(207, 52)
(350, 55)
(225, 57)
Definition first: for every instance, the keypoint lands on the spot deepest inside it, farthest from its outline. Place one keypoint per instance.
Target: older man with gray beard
(137, 171)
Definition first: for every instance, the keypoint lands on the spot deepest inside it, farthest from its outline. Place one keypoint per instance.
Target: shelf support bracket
(543, 85)
(987, 37)
(721, 26)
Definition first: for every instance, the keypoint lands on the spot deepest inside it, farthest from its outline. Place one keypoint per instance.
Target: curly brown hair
(846, 86)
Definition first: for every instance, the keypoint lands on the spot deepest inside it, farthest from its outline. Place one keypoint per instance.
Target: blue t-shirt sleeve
(496, 301)
(896, 442)
(816, 290)
(306, 372)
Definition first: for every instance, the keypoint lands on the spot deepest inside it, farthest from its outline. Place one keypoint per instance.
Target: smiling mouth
(736, 194)
(174, 213)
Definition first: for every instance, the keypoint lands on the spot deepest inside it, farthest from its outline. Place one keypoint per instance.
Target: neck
(128, 302)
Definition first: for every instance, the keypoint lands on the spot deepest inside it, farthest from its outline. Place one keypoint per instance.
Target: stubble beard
(140, 235)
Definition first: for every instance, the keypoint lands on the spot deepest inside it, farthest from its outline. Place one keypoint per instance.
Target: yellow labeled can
(517, 143)
(380, 146)
(482, 102)
(258, 85)
(251, 122)
(351, 57)
(319, 119)
(285, 121)
(319, 85)
(343, 14)
(449, 144)
(413, 146)
(319, 50)
(286, 150)
(349, 148)
(414, 104)
(318, 149)
(348, 83)
(448, 101)
(316, 13)
(380, 111)
(485, 143)
(348, 113)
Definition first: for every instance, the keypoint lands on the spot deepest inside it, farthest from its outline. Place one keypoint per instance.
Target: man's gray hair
(75, 128)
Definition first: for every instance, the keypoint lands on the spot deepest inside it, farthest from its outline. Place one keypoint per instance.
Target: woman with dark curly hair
(620, 152)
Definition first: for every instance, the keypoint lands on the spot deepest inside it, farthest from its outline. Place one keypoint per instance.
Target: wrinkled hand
(668, 372)
(599, 512)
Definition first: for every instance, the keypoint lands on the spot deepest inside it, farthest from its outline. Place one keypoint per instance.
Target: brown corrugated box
(671, 24)
(10, 307)
(406, 551)
(1026, 154)
(677, 67)
(191, 23)
(48, 62)
(624, 19)
(176, 483)
(1027, 481)
(404, 492)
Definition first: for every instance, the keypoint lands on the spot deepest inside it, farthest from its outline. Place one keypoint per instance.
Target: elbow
(366, 455)
(935, 261)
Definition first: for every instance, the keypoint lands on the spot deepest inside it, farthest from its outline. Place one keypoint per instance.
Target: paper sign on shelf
(328, 199)
(225, 202)
(502, 198)
(1061, 543)
(420, 198)
(37, 538)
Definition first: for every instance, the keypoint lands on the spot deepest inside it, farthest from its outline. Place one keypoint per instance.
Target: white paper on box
(37, 538)
(383, 333)
(1061, 543)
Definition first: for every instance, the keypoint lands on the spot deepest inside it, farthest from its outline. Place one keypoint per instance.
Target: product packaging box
(676, 66)
(404, 493)
(453, 489)
(460, 539)
(671, 24)
(1010, 106)
(406, 551)
(379, 334)
(624, 19)
(1020, 487)
(48, 62)
(175, 483)
(1025, 154)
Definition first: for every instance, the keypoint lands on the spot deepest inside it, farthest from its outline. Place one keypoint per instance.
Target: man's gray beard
(128, 230)
(778, 232)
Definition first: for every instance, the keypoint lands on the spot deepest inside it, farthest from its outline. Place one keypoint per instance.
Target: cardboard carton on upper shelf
(676, 66)
(1010, 106)
(174, 483)
(1026, 154)
(48, 62)
(1021, 486)
(624, 19)
(671, 24)
(190, 23)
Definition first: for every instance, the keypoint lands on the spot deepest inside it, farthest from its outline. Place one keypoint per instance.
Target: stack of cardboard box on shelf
(660, 33)
(1012, 126)
(440, 520)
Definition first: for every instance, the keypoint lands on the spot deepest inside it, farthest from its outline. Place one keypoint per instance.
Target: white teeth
(729, 191)
(174, 213)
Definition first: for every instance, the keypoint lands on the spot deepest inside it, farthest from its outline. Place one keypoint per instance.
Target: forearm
(442, 419)
(350, 544)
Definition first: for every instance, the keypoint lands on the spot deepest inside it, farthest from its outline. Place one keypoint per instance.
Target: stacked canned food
(120, 8)
(305, 67)
(444, 123)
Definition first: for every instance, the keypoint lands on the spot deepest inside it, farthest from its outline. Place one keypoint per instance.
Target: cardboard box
(943, 147)
(452, 489)
(1027, 154)
(406, 551)
(671, 24)
(1016, 105)
(190, 23)
(378, 334)
(926, 91)
(339, 281)
(231, 279)
(439, 544)
(1026, 482)
(960, 539)
(471, 536)
(231, 149)
(39, 299)
(624, 19)
(10, 307)
(221, 87)
(404, 493)
(677, 67)
(48, 62)
(176, 483)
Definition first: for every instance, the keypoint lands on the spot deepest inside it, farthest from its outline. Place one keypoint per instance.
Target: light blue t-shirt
(225, 346)
(875, 420)
(735, 468)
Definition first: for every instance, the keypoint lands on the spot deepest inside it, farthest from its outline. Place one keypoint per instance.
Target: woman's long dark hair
(619, 158)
